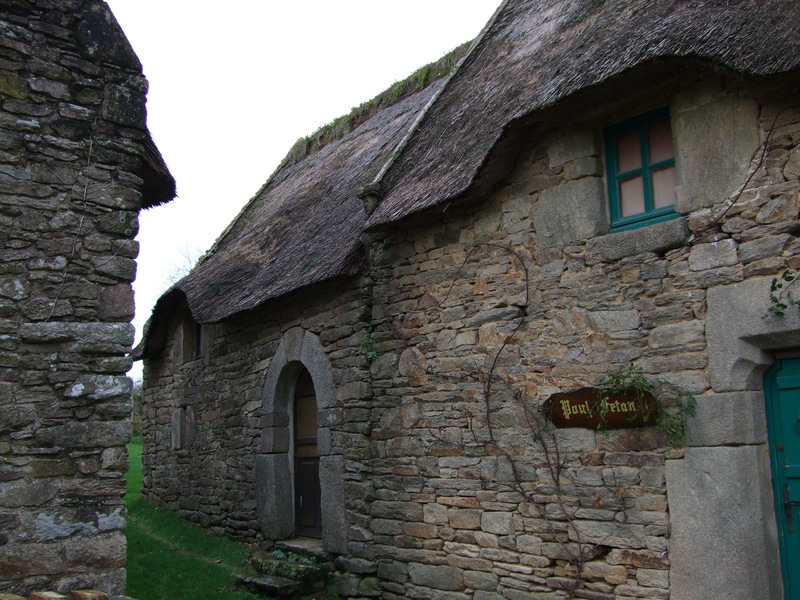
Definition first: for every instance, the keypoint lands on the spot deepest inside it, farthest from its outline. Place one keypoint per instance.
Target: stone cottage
(597, 192)
(77, 164)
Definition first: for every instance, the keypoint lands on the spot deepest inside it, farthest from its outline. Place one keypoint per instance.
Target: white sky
(234, 84)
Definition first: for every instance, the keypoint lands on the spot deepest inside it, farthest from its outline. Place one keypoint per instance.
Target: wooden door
(307, 504)
(782, 390)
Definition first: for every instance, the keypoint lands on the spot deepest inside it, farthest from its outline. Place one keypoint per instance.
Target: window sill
(658, 237)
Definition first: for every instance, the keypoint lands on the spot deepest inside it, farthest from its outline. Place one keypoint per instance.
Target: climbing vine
(674, 406)
(558, 511)
(367, 347)
(780, 294)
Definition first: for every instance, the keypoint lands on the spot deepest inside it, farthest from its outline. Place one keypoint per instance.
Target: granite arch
(298, 349)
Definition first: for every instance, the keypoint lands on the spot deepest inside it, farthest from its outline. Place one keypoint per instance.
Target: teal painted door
(782, 388)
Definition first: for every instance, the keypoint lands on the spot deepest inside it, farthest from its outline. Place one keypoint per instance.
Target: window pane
(631, 197)
(629, 154)
(306, 451)
(660, 135)
(663, 187)
(306, 416)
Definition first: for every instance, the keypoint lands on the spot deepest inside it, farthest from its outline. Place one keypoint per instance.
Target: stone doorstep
(270, 585)
(286, 576)
(289, 569)
(305, 546)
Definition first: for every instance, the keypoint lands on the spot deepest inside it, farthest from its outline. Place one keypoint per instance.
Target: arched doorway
(300, 378)
(307, 504)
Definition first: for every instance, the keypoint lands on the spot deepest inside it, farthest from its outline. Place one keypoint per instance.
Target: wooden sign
(586, 407)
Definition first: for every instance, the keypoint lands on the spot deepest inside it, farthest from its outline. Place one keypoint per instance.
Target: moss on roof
(341, 126)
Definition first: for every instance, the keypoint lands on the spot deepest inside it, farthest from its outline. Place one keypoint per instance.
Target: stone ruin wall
(71, 133)
(447, 517)
(205, 472)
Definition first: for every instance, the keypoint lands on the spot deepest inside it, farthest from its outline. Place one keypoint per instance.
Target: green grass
(171, 559)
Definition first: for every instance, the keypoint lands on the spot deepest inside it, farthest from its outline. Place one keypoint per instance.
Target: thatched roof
(304, 225)
(535, 53)
(423, 149)
(159, 184)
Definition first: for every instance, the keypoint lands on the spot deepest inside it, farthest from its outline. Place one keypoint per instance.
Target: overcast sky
(234, 84)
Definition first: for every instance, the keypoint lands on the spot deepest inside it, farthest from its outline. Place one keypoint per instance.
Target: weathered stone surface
(679, 334)
(356, 565)
(464, 518)
(638, 558)
(763, 248)
(480, 580)
(116, 303)
(15, 417)
(85, 434)
(577, 144)
(497, 522)
(615, 320)
(701, 486)
(725, 128)
(602, 570)
(728, 419)
(653, 578)
(32, 559)
(334, 522)
(124, 106)
(81, 337)
(570, 212)
(273, 490)
(100, 387)
(658, 237)
(438, 577)
(404, 511)
(714, 255)
(610, 534)
(32, 493)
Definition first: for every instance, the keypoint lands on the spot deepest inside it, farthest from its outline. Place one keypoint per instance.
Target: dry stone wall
(474, 498)
(206, 473)
(454, 486)
(71, 142)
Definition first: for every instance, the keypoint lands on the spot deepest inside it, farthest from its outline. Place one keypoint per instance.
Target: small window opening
(640, 159)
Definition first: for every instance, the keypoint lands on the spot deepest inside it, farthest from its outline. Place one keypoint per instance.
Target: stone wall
(454, 487)
(71, 142)
(203, 419)
(525, 295)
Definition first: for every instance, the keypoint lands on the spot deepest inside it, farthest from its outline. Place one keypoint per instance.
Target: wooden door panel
(308, 513)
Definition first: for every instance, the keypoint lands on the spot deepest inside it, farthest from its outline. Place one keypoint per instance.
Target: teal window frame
(640, 123)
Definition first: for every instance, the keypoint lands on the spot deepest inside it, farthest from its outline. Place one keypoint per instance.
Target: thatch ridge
(419, 80)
